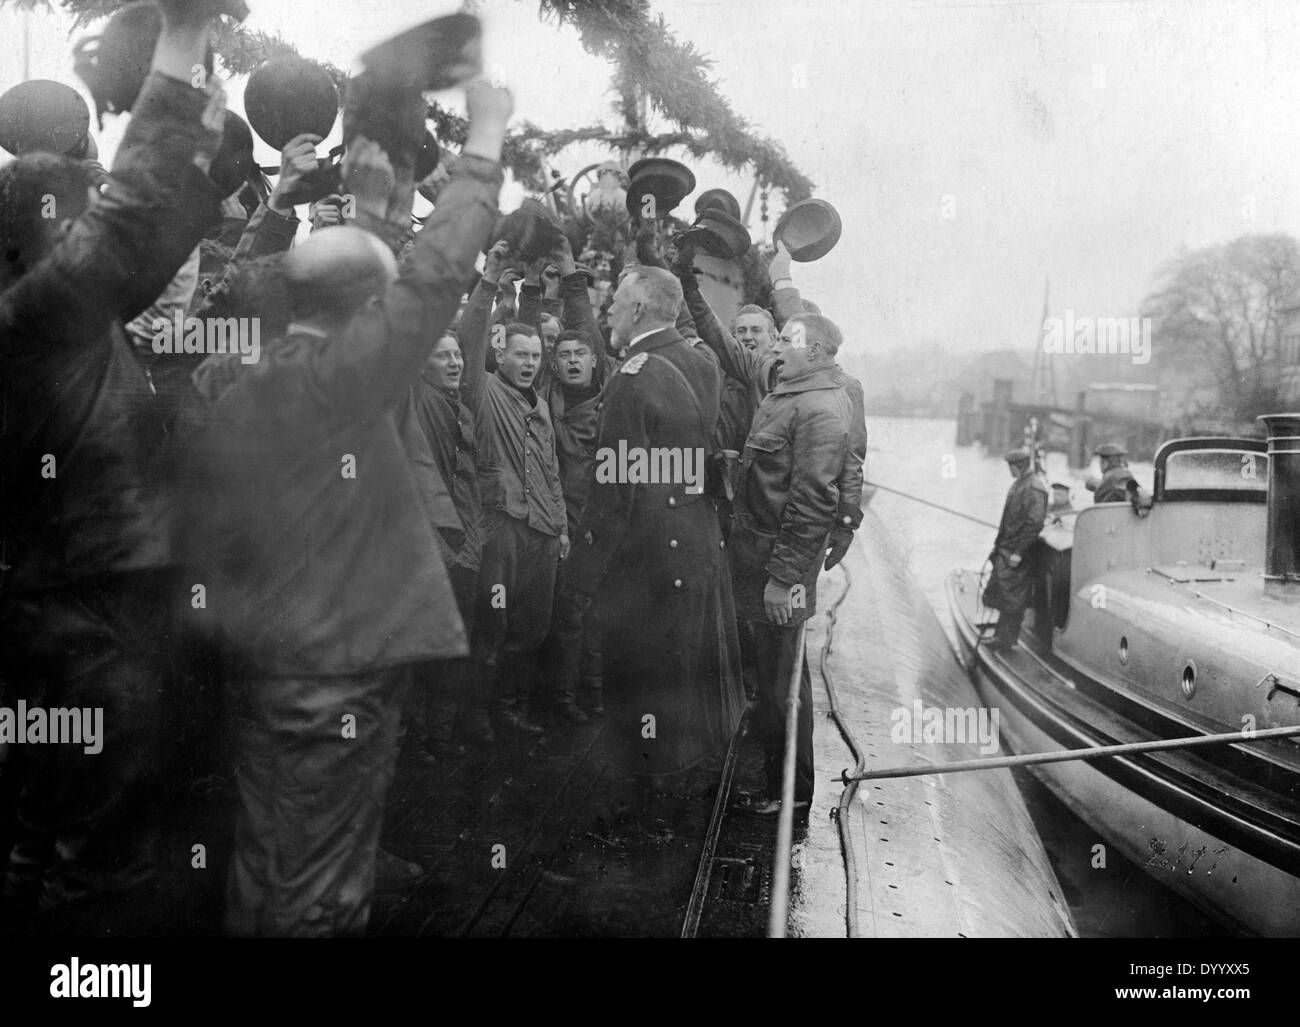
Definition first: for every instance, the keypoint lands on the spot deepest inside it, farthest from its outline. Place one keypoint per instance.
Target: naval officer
(651, 552)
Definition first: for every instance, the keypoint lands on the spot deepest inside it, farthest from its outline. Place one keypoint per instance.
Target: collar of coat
(1030, 480)
(657, 340)
(823, 376)
(525, 397)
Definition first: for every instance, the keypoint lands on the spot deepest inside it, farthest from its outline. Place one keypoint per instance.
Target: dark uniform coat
(652, 555)
(1023, 516)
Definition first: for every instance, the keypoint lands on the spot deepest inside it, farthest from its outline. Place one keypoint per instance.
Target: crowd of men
(394, 518)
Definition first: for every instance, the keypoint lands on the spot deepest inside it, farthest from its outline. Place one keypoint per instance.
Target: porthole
(1189, 680)
(1123, 649)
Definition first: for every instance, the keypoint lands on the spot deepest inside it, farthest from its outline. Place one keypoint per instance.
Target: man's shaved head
(336, 271)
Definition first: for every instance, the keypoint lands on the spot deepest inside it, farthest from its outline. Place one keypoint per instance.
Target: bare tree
(1219, 308)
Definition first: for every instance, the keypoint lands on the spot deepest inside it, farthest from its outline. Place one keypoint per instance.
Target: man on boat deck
(1022, 520)
(1117, 483)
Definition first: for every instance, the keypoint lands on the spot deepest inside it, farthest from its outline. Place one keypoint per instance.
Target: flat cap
(1110, 449)
(1016, 456)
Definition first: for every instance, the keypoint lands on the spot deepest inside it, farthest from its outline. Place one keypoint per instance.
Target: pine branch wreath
(647, 58)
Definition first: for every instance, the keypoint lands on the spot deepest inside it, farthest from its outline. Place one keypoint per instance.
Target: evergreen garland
(646, 56)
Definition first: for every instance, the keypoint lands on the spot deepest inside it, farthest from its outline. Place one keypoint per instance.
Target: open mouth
(574, 373)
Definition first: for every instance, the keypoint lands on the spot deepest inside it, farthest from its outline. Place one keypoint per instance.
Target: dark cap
(1110, 449)
(43, 115)
(1016, 456)
(1060, 485)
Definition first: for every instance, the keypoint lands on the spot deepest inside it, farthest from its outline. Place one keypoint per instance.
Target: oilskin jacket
(788, 493)
(317, 550)
(81, 484)
(741, 365)
(1023, 515)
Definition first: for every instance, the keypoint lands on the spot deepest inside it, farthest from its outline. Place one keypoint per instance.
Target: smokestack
(1282, 546)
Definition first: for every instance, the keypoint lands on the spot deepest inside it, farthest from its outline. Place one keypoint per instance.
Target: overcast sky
(1082, 141)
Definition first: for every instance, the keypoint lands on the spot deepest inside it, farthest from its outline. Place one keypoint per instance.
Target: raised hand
(297, 160)
(368, 175)
(213, 120)
(498, 262)
(489, 109)
(562, 256)
(779, 268)
(326, 212)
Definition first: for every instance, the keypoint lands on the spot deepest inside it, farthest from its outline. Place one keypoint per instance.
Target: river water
(920, 457)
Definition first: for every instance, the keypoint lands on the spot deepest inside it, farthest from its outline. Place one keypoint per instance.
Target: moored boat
(1181, 623)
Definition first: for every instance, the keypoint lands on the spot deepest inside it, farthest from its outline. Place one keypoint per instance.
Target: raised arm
(476, 325)
(274, 224)
(367, 366)
(736, 361)
(426, 295)
(121, 253)
(577, 314)
(786, 301)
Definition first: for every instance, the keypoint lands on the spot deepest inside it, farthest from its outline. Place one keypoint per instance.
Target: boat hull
(1173, 832)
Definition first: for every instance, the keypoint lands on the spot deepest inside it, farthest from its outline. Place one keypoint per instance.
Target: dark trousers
(571, 653)
(1008, 626)
(774, 652)
(84, 826)
(1009, 592)
(441, 690)
(314, 758)
(516, 588)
